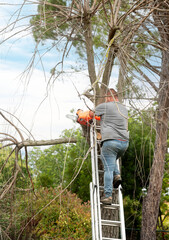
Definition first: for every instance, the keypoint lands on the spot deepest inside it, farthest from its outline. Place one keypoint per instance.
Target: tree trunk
(120, 85)
(152, 200)
(89, 49)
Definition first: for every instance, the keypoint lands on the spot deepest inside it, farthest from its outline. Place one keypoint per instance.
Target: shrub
(65, 218)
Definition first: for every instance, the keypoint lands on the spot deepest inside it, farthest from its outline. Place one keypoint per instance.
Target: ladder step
(101, 171)
(105, 238)
(112, 206)
(115, 190)
(110, 223)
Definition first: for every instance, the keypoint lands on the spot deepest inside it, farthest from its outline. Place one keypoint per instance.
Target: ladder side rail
(123, 232)
(94, 192)
(92, 211)
(98, 190)
(122, 229)
(92, 143)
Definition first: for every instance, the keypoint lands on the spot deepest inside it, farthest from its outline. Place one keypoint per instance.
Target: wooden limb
(6, 160)
(130, 35)
(105, 13)
(147, 79)
(11, 137)
(116, 8)
(30, 143)
(89, 49)
(134, 7)
(6, 190)
(88, 95)
(108, 67)
(7, 145)
(96, 7)
(93, 5)
(71, 7)
(18, 131)
(152, 44)
(7, 140)
(142, 74)
(6, 235)
(86, 6)
(149, 66)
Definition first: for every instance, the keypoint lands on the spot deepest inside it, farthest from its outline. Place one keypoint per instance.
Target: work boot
(117, 181)
(106, 200)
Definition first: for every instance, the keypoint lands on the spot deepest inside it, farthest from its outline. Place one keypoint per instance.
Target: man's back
(114, 120)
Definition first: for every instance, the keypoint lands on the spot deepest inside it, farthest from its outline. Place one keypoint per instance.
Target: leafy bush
(64, 218)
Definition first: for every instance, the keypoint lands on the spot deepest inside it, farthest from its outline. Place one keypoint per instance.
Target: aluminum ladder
(113, 227)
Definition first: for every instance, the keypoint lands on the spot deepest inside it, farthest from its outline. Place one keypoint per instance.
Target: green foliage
(75, 162)
(7, 164)
(65, 25)
(50, 215)
(52, 24)
(132, 210)
(136, 165)
(47, 165)
(137, 160)
(46, 22)
(64, 218)
(164, 201)
(62, 164)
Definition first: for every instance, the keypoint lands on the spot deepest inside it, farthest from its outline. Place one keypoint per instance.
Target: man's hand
(91, 114)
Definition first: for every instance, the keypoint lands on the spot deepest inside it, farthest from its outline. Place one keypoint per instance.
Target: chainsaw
(82, 117)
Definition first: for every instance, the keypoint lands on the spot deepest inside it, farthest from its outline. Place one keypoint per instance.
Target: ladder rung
(112, 206)
(105, 238)
(110, 223)
(115, 190)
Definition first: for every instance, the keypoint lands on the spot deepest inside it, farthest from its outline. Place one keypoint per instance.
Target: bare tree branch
(30, 143)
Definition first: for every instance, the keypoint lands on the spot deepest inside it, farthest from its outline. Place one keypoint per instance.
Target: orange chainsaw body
(84, 117)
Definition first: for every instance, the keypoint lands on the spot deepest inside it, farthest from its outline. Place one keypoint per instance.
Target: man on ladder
(115, 140)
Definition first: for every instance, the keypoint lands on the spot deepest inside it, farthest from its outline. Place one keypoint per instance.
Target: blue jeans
(111, 150)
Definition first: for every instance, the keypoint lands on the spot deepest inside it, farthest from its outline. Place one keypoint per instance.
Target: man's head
(111, 95)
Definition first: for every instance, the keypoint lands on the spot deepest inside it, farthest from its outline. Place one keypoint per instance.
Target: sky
(24, 94)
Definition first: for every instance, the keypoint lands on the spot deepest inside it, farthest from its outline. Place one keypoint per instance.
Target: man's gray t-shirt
(114, 120)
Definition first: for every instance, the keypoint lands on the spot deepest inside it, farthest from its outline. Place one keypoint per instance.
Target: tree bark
(89, 48)
(151, 202)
